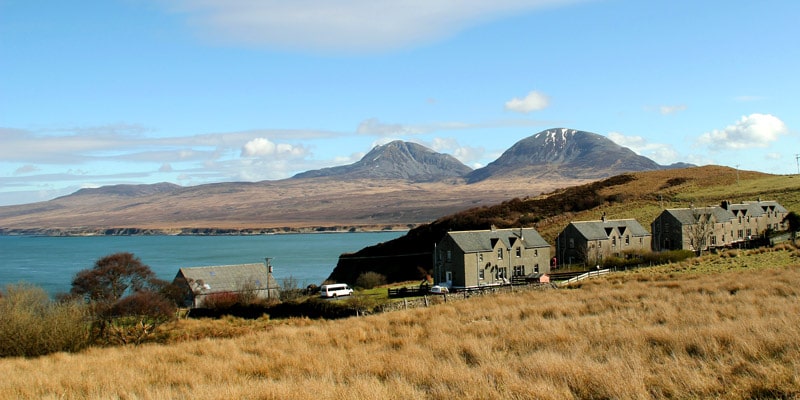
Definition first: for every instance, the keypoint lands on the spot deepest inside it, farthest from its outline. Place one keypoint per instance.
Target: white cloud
(349, 25)
(534, 101)
(468, 155)
(667, 110)
(661, 153)
(750, 131)
(262, 147)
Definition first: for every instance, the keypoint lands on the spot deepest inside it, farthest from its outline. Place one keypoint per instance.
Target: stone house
(251, 280)
(589, 242)
(470, 259)
(726, 225)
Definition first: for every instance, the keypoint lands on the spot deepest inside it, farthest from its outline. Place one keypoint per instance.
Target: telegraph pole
(797, 158)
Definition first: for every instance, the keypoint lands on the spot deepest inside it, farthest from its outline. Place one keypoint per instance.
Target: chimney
(603, 217)
(725, 204)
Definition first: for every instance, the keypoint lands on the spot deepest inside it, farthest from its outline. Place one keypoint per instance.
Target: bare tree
(701, 228)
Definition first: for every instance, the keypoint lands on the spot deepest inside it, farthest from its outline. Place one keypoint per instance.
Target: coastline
(199, 231)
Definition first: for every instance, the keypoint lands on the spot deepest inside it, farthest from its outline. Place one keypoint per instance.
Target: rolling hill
(639, 195)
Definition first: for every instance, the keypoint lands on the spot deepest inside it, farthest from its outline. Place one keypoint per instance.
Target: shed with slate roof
(244, 281)
(470, 259)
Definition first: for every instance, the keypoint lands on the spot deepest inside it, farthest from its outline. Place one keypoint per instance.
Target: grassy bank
(723, 326)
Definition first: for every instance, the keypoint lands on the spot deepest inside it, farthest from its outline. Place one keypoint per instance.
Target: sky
(102, 92)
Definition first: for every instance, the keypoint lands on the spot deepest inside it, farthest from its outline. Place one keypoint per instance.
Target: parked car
(439, 289)
(335, 290)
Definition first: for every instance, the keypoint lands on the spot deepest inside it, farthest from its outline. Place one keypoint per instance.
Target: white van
(335, 290)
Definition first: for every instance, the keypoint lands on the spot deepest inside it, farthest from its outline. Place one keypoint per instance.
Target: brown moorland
(722, 326)
(292, 204)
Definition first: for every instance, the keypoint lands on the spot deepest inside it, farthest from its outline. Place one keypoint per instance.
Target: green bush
(370, 279)
(31, 324)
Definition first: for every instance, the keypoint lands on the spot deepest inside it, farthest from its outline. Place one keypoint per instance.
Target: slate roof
(480, 241)
(686, 216)
(768, 205)
(227, 278)
(600, 230)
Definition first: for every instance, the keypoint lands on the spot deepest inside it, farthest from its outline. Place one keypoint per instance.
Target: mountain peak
(567, 153)
(397, 160)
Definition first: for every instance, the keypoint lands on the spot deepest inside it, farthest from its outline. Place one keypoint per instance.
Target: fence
(585, 275)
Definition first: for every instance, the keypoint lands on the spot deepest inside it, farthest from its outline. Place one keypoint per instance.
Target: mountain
(564, 153)
(397, 160)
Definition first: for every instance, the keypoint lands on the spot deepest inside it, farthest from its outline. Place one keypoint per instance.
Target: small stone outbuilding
(199, 283)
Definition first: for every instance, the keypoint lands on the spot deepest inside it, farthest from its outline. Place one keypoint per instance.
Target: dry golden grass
(725, 326)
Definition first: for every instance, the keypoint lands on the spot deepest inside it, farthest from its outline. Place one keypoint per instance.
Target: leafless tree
(700, 230)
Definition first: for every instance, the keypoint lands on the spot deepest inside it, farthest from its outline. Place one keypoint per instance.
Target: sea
(303, 258)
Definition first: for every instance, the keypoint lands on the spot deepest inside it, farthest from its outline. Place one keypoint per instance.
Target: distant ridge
(130, 190)
(397, 160)
(567, 153)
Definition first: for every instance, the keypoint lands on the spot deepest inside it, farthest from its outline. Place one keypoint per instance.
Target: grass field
(722, 326)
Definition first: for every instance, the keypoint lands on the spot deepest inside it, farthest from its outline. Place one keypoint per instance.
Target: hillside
(640, 195)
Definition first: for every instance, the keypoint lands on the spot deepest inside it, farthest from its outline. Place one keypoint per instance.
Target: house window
(500, 254)
(749, 232)
(741, 233)
(571, 243)
(536, 268)
(627, 240)
(502, 272)
(536, 252)
(713, 240)
(480, 257)
(519, 270)
(519, 252)
(481, 274)
(449, 256)
(613, 241)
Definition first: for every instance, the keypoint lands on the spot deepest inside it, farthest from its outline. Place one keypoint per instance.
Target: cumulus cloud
(534, 101)
(658, 152)
(262, 147)
(750, 131)
(348, 25)
(468, 155)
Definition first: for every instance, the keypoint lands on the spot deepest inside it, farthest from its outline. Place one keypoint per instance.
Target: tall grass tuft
(33, 325)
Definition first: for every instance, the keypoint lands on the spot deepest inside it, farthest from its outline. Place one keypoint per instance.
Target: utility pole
(797, 158)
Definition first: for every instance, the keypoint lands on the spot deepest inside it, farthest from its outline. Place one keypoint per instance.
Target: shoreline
(133, 231)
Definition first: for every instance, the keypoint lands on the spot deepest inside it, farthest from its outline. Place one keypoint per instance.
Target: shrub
(32, 325)
(370, 279)
(221, 301)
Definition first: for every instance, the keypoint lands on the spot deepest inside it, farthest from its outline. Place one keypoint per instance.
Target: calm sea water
(51, 262)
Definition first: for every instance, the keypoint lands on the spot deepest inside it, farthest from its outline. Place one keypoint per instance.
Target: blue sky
(99, 92)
